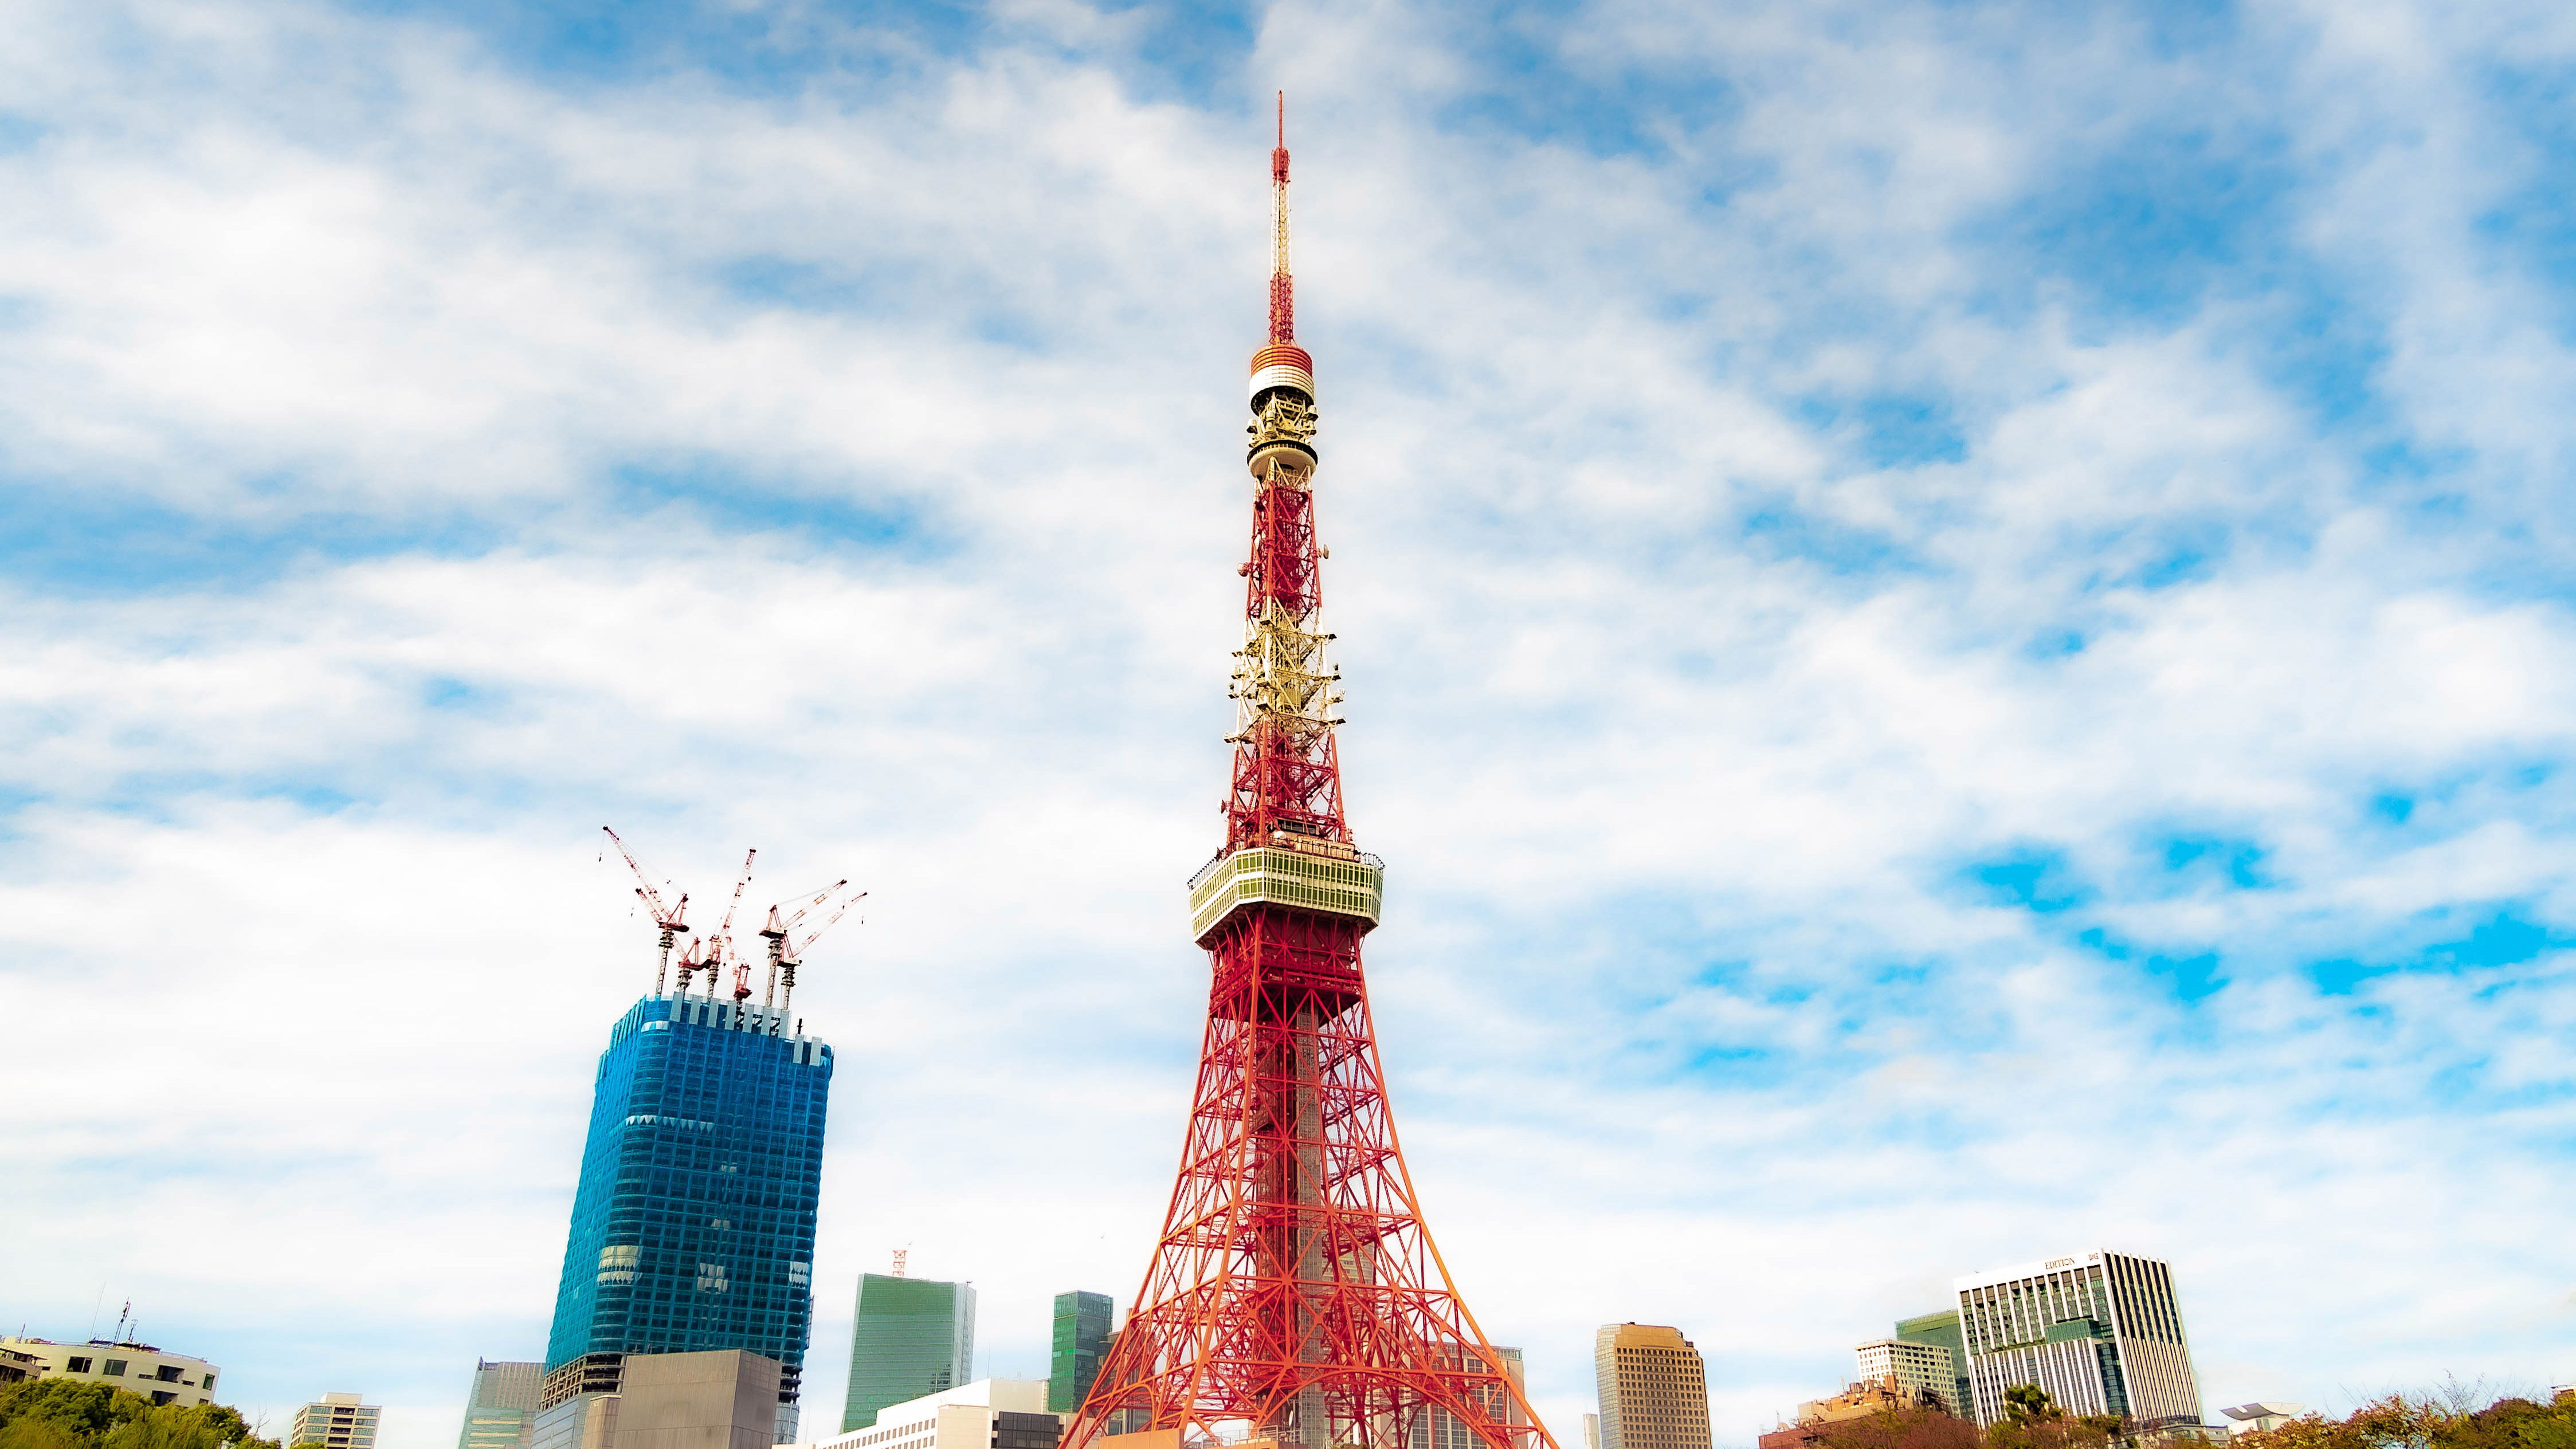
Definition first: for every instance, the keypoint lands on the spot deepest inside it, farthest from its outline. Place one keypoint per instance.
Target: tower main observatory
(1295, 1296)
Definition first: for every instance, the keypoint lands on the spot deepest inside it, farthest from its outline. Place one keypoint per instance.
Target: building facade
(986, 1414)
(1654, 1388)
(2101, 1332)
(335, 1421)
(501, 1405)
(715, 1399)
(1919, 1372)
(693, 1225)
(164, 1378)
(911, 1338)
(1081, 1337)
(1941, 1330)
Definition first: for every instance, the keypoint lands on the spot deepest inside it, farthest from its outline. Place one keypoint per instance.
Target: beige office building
(986, 1414)
(336, 1421)
(1654, 1388)
(164, 1378)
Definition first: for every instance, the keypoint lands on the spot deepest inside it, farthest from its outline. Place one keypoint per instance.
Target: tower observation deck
(1294, 1296)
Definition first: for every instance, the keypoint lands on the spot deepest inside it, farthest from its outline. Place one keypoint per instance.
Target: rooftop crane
(668, 919)
(784, 957)
(721, 947)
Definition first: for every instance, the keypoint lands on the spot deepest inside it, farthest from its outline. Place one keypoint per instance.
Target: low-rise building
(17, 1367)
(335, 1421)
(164, 1378)
(2262, 1416)
(986, 1414)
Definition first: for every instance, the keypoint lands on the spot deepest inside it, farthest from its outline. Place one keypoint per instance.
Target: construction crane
(667, 919)
(785, 954)
(720, 948)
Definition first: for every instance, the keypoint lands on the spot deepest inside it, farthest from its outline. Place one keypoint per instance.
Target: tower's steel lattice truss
(1295, 1295)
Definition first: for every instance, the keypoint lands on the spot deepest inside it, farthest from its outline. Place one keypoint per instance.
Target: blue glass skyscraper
(693, 1226)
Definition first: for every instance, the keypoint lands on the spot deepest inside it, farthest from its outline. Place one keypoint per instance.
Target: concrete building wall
(721, 1399)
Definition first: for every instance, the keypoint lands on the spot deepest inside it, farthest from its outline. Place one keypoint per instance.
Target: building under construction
(693, 1224)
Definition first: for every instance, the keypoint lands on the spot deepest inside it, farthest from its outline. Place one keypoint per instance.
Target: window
(76, 1365)
(114, 1368)
(167, 1373)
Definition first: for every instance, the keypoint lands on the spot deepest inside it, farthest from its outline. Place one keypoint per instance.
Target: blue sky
(1957, 621)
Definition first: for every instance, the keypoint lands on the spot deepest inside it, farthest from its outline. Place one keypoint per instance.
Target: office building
(335, 1421)
(1920, 1373)
(1081, 1337)
(1592, 1431)
(715, 1399)
(1437, 1428)
(1941, 1330)
(164, 1378)
(501, 1406)
(2101, 1332)
(912, 1337)
(1654, 1388)
(693, 1223)
(986, 1414)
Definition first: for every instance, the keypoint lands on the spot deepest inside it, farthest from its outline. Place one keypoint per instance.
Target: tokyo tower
(1295, 1297)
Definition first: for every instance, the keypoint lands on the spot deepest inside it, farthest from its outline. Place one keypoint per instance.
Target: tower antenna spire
(1283, 287)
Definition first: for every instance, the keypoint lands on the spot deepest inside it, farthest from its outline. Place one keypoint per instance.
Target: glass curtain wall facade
(693, 1226)
(2101, 1332)
(1941, 1330)
(912, 1336)
(1081, 1336)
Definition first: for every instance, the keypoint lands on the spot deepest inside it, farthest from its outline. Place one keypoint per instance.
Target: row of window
(114, 1368)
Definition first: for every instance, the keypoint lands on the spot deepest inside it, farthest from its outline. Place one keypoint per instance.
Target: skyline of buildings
(164, 1378)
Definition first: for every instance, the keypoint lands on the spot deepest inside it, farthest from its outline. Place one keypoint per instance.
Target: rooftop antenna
(667, 918)
(1283, 288)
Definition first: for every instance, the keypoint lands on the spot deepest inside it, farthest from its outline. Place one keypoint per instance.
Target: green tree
(2030, 1404)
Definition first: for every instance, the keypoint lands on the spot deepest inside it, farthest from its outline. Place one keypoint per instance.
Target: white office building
(986, 1414)
(335, 1421)
(1918, 1371)
(164, 1378)
(2101, 1332)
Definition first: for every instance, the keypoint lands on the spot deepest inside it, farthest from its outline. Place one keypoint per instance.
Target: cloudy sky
(1959, 621)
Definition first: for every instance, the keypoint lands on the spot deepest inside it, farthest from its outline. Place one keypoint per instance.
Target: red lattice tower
(1295, 1295)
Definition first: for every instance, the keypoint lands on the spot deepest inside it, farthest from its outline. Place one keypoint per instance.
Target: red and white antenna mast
(1294, 1294)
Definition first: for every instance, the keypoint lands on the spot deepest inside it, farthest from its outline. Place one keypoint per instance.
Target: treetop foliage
(72, 1414)
(2455, 1418)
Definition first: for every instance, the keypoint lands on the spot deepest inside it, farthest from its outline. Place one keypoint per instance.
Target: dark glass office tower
(1081, 1336)
(693, 1227)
